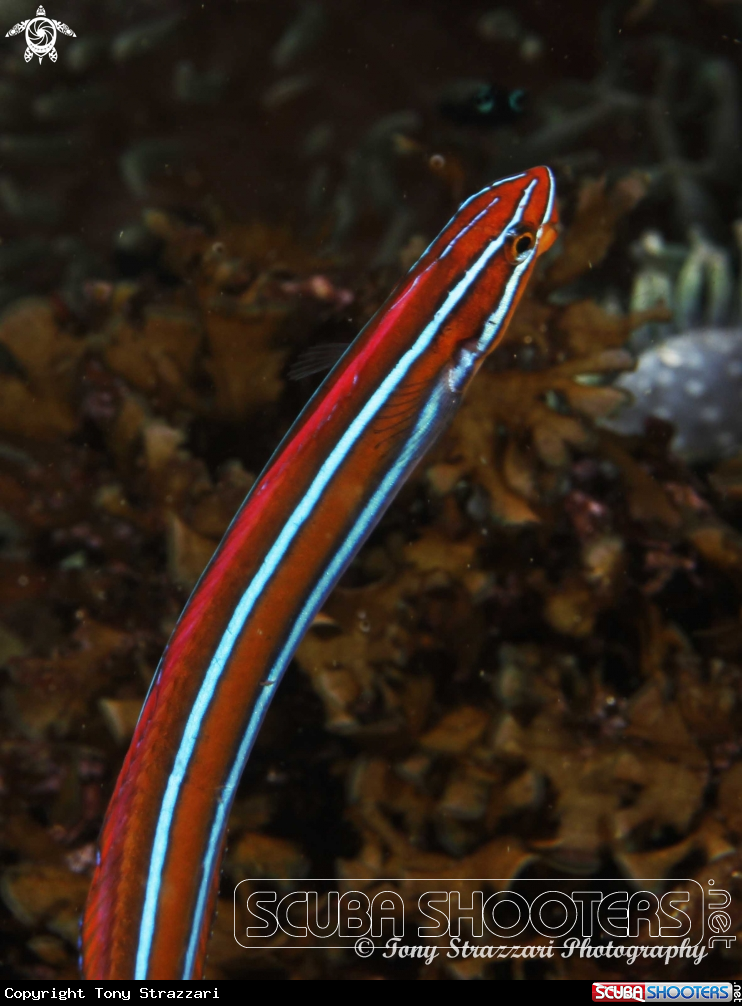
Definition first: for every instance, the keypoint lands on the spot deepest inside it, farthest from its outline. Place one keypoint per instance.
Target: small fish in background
(693, 381)
(477, 103)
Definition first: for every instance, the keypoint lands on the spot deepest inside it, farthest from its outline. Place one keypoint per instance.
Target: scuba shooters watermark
(492, 919)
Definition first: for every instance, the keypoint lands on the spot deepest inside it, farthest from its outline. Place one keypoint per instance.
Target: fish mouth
(550, 228)
(547, 234)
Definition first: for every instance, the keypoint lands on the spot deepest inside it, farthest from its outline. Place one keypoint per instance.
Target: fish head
(484, 259)
(528, 213)
(457, 300)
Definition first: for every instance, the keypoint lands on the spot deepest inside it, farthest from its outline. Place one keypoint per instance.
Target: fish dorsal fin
(315, 359)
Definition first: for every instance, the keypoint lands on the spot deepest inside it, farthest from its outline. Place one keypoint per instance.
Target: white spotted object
(693, 381)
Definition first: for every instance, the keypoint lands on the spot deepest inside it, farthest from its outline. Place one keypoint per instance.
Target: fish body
(396, 387)
(693, 381)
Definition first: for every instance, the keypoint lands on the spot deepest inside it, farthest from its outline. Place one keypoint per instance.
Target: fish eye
(519, 243)
(516, 100)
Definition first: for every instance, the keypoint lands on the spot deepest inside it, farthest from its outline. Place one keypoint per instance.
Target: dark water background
(350, 131)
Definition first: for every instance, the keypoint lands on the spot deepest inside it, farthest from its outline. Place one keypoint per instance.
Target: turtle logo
(41, 34)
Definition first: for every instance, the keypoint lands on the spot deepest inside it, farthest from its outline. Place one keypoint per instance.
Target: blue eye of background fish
(515, 101)
(473, 103)
(484, 102)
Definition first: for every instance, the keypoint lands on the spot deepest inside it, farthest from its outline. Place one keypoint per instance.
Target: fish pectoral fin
(315, 359)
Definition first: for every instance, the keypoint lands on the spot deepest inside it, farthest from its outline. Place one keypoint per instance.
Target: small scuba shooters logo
(41, 35)
(664, 991)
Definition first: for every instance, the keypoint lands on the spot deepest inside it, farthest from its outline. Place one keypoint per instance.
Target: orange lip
(548, 234)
